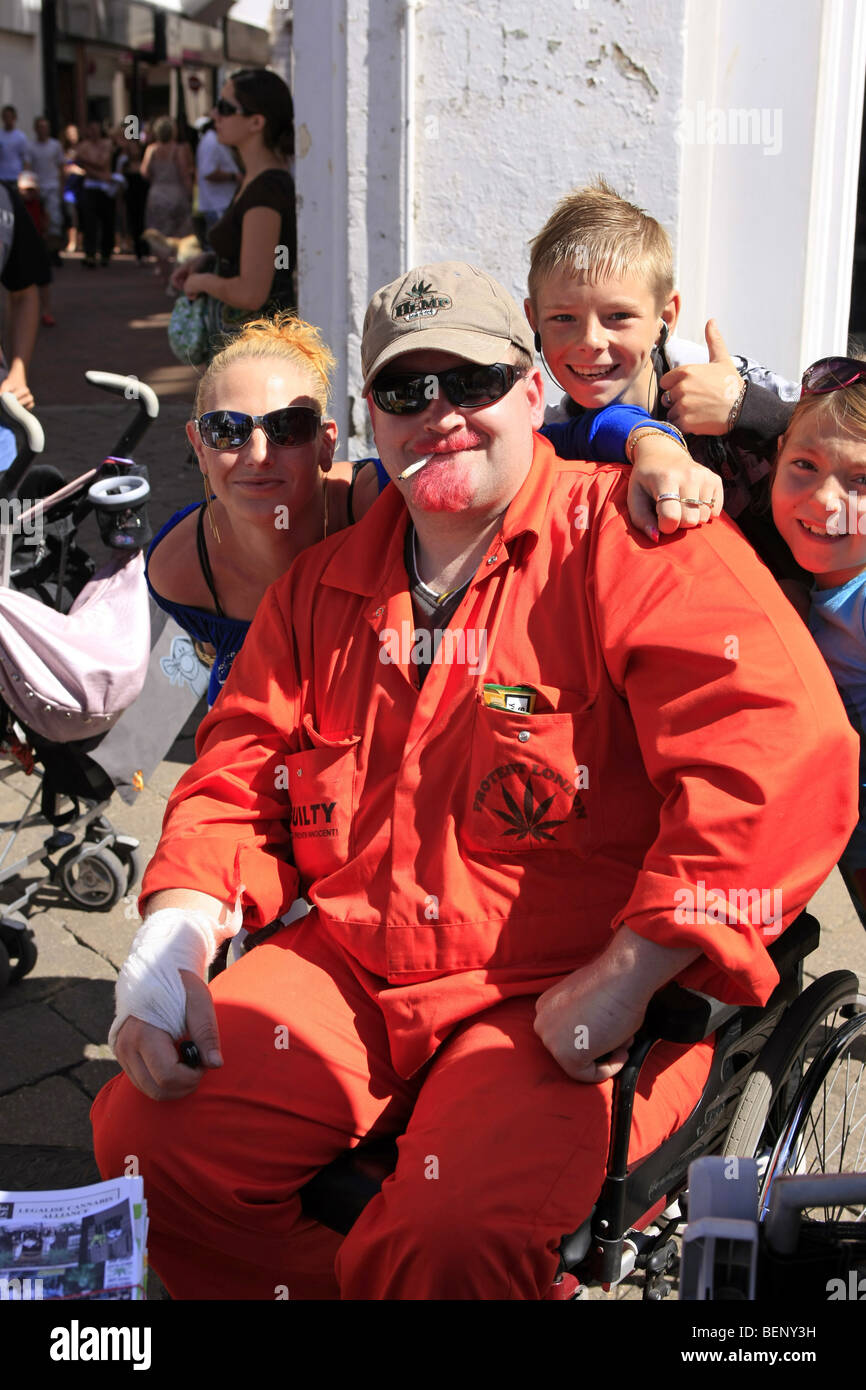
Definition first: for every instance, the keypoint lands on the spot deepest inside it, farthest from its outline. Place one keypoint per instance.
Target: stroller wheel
(20, 944)
(5, 967)
(92, 878)
(131, 861)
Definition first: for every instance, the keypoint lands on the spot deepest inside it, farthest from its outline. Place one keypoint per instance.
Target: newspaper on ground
(79, 1242)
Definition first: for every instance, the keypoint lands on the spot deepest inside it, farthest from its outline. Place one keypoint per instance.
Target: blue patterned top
(225, 635)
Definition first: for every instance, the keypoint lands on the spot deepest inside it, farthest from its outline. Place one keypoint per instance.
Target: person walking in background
(14, 146)
(29, 190)
(46, 158)
(135, 196)
(73, 178)
(255, 240)
(23, 267)
(96, 198)
(218, 175)
(168, 166)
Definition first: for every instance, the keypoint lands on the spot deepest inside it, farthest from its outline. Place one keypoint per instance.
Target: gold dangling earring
(208, 497)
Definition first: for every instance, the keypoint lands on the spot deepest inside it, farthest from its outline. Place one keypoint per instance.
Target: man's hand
(584, 1019)
(699, 398)
(149, 1056)
(588, 1020)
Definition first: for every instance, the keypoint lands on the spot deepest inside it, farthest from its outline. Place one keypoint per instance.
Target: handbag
(189, 331)
(69, 676)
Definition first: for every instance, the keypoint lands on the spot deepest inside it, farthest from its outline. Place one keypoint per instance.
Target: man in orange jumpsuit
(527, 767)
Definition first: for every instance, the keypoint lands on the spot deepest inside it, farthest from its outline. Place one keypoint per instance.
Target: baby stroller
(77, 649)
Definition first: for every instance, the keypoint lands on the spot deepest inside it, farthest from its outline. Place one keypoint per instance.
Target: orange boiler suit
(461, 859)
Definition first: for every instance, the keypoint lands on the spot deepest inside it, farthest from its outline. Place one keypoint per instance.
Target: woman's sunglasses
(230, 429)
(470, 387)
(228, 108)
(832, 374)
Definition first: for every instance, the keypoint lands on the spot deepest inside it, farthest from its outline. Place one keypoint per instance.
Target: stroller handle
(133, 390)
(33, 431)
(34, 443)
(130, 387)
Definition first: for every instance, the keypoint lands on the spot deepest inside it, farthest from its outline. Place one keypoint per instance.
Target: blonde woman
(265, 447)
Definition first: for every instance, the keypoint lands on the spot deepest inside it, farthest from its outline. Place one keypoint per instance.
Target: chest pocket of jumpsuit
(321, 787)
(533, 780)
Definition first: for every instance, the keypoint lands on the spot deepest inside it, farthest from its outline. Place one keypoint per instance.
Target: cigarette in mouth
(414, 468)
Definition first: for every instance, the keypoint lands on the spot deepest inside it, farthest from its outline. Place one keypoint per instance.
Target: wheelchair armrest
(681, 1015)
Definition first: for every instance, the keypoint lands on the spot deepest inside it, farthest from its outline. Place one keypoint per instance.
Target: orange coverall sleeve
(228, 821)
(742, 733)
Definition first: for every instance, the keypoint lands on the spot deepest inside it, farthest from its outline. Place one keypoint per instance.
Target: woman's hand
(196, 284)
(180, 275)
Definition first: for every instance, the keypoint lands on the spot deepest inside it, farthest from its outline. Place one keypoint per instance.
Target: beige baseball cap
(450, 307)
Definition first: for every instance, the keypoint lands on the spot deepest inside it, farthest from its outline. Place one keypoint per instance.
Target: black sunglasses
(230, 429)
(832, 374)
(471, 387)
(228, 108)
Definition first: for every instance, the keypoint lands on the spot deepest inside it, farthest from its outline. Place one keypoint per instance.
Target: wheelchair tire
(764, 1106)
(5, 967)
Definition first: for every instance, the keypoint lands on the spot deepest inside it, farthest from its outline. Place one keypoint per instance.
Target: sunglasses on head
(230, 429)
(472, 386)
(229, 108)
(832, 374)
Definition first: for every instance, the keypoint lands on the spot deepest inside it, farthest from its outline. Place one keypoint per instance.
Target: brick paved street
(53, 1024)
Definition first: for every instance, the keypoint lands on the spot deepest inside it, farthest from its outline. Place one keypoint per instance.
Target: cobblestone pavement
(53, 1024)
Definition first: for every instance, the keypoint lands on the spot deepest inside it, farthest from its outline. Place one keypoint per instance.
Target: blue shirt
(600, 434)
(837, 621)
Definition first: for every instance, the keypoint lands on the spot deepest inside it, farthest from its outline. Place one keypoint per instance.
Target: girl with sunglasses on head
(265, 447)
(255, 241)
(819, 507)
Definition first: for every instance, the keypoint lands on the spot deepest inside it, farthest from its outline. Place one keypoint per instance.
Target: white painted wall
(21, 76)
(511, 106)
(431, 129)
(766, 228)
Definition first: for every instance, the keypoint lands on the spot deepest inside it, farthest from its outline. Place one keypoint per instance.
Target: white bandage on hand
(149, 986)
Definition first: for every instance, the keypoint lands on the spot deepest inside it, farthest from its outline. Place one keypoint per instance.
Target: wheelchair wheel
(825, 1129)
(830, 1134)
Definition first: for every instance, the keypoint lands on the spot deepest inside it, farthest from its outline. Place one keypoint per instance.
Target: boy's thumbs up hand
(716, 345)
(699, 397)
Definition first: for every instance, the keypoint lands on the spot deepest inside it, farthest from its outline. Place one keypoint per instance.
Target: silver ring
(666, 398)
(668, 497)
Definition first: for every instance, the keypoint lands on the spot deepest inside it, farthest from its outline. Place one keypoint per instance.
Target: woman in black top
(255, 239)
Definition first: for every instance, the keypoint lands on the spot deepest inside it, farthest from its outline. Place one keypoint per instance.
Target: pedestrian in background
(96, 198)
(46, 158)
(217, 172)
(73, 178)
(31, 197)
(255, 240)
(14, 146)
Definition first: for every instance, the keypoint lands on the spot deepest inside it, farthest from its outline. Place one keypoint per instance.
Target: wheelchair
(784, 1089)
